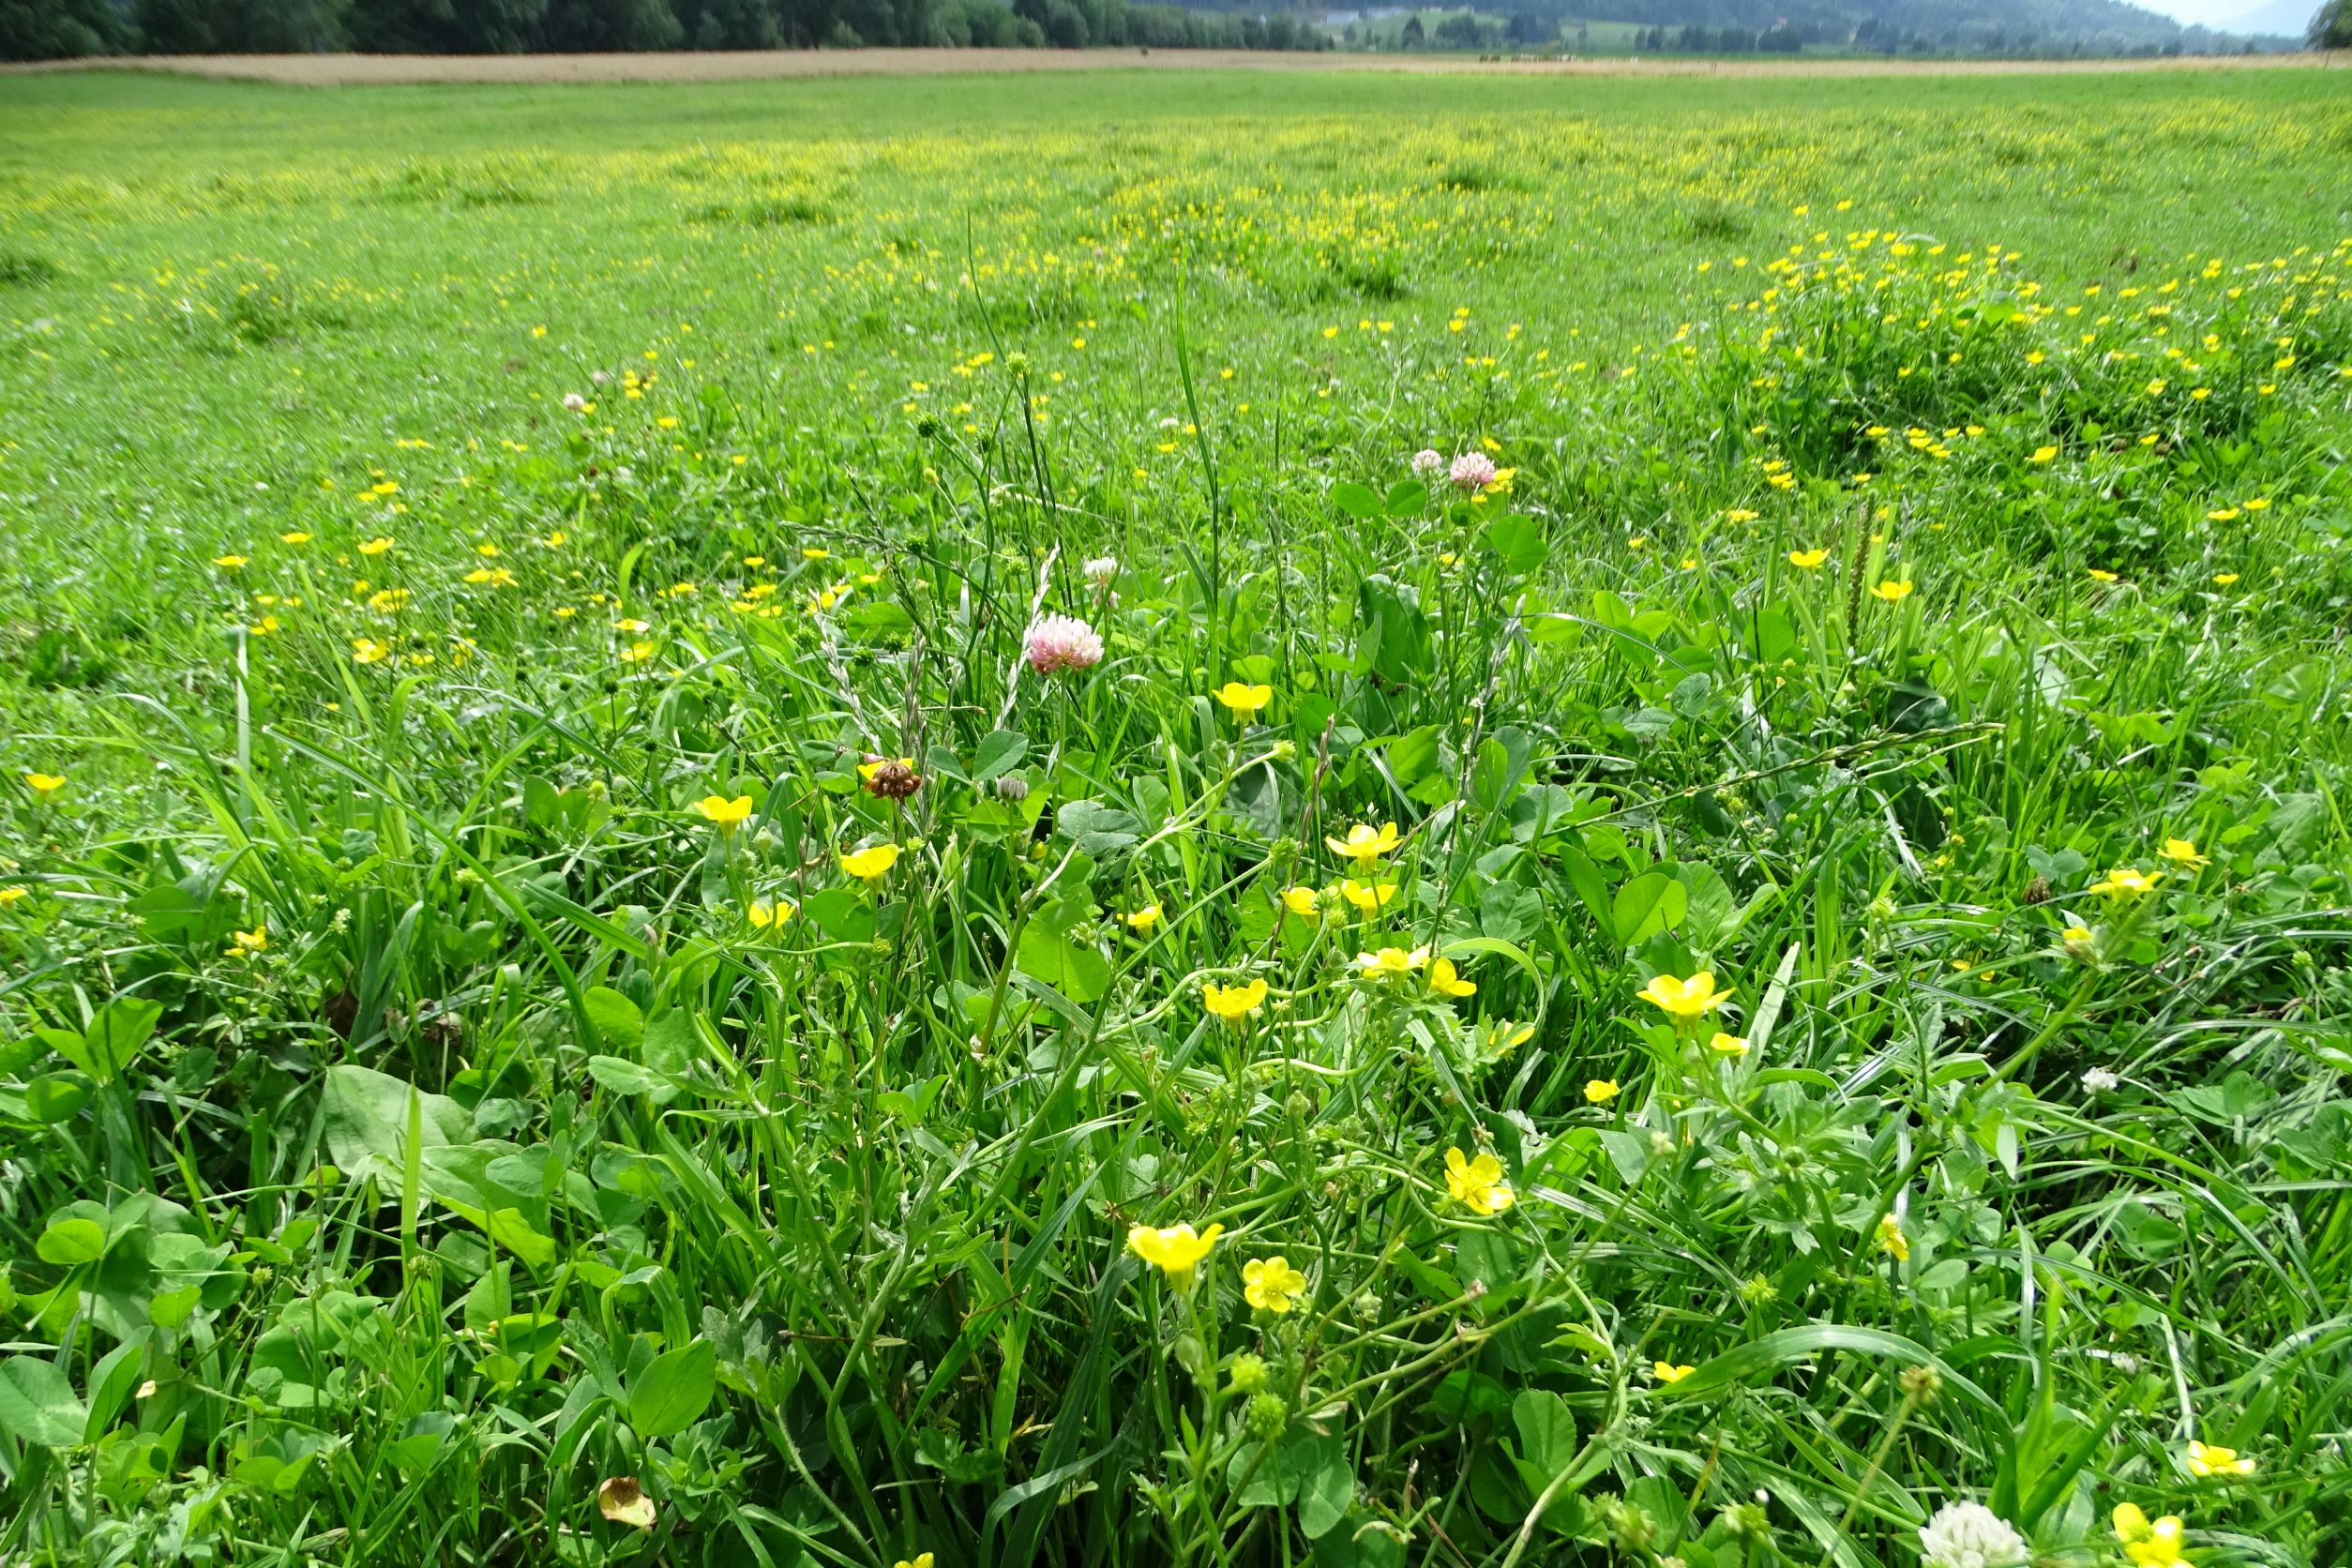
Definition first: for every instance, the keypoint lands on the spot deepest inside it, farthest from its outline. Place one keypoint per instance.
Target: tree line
(64, 29)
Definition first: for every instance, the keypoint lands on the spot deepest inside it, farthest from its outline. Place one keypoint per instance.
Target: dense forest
(56, 29)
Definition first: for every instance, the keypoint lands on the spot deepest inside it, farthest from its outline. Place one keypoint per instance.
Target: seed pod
(894, 780)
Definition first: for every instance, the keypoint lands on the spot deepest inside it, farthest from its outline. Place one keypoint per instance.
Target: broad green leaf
(1647, 905)
(71, 1241)
(1547, 1432)
(1075, 969)
(670, 1394)
(365, 1115)
(37, 1404)
(1325, 1497)
(1001, 752)
(618, 1025)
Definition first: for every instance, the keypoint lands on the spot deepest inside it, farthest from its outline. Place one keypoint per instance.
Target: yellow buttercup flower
(1685, 1000)
(2125, 881)
(2222, 579)
(922, 1562)
(1388, 961)
(1300, 902)
(1894, 593)
(1666, 1372)
(1368, 898)
(1891, 1238)
(2098, 575)
(45, 783)
(294, 537)
(11, 894)
(228, 562)
(1243, 700)
(2043, 454)
(1811, 559)
(2152, 1544)
(1142, 919)
(2207, 1460)
(376, 546)
(1477, 1184)
(729, 814)
(1600, 1091)
(764, 915)
(1728, 1045)
(244, 945)
(1175, 1250)
(1445, 981)
(1269, 1283)
(2183, 852)
(1365, 844)
(869, 864)
(1235, 1002)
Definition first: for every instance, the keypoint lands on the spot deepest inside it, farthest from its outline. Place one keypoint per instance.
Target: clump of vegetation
(957, 885)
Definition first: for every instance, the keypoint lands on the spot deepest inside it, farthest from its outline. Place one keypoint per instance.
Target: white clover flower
(1101, 571)
(1971, 1535)
(2098, 1080)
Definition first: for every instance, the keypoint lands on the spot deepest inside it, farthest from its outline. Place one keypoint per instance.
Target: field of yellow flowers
(1178, 819)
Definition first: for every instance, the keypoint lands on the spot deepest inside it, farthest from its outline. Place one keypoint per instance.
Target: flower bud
(1248, 1373)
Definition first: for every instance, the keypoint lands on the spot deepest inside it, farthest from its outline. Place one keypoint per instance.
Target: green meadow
(1230, 818)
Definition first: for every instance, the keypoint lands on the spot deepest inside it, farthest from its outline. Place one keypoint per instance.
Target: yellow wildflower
(2151, 1544)
(2125, 881)
(1728, 1045)
(872, 863)
(1666, 1372)
(1894, 593)
(1811, 559)
(1600, 1091)
(1175, 1250)
(1477, 1184)
(2183, 852)
(1446, 982)
(2206, 1461)
(1235, 1002)
(1367, 898)
(729, 814)
(1388, 961)
(1269, 1283)
(1299, 901)
(1142, 919)
(1365, 844)
(1685, 1000)
(1243, 700)
(45, 783)
(1891, 1238)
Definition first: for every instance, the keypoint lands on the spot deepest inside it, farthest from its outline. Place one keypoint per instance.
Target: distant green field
(1241, 820)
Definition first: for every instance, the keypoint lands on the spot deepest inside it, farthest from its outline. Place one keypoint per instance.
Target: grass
(495, 574)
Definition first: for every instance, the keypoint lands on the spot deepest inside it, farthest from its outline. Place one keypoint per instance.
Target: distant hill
(1988, 25)
(1998, 27)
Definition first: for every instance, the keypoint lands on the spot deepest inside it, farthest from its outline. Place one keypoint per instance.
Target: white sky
(2210, 12)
